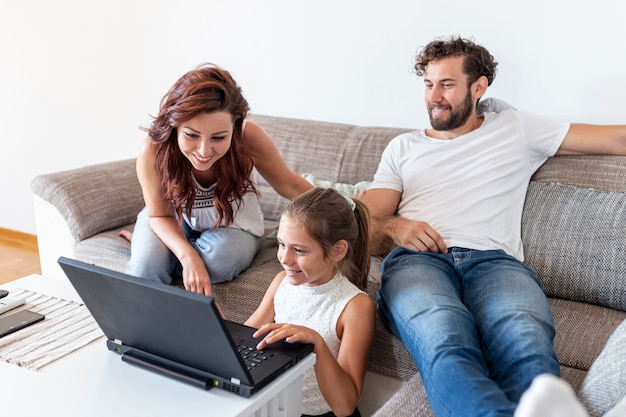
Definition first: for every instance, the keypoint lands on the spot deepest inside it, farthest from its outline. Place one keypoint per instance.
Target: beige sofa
(574, 232)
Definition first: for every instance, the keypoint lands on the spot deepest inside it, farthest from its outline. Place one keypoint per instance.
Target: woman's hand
(195, 275)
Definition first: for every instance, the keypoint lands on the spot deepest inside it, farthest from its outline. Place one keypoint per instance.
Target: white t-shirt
(471, 189)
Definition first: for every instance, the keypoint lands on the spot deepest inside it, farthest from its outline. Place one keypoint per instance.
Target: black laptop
(177, 333)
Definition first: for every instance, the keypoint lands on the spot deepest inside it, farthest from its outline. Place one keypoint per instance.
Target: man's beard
(457, 117)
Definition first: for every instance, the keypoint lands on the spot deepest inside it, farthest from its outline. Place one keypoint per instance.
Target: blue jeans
(226, 252)
(477, 324)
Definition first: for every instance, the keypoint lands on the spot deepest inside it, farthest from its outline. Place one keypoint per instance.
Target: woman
(202, 212)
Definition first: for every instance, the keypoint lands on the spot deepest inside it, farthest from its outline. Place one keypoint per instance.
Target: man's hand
(387, 229)
(415, 235)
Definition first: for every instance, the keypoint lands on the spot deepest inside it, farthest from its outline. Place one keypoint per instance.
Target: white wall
(78, 77)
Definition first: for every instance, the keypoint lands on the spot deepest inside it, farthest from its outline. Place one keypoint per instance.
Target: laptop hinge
(171, 369)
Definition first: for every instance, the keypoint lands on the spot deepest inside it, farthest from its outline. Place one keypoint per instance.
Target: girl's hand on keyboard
(278, 332)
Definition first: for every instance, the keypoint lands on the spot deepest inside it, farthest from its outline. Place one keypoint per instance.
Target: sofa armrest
(73, 205)
(54, 238)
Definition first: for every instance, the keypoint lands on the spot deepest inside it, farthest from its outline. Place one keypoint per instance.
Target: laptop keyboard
(253, 357)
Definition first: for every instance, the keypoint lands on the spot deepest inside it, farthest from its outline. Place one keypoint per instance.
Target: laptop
(178, 333)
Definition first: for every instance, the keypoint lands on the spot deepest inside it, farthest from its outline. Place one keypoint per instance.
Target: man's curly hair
(478, 61)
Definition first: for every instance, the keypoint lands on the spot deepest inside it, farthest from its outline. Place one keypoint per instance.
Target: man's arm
(382, 204)
(586, 139)
(388, 229)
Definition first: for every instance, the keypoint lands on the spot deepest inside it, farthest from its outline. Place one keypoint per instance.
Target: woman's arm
(164, 224)
(270, 163)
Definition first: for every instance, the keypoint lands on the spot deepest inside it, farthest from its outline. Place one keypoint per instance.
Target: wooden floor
(18, 255)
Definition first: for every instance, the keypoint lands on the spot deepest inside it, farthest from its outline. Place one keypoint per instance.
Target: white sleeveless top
(317, 308)
(247, 216)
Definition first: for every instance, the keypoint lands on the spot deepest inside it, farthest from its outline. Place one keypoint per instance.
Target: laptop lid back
(159, 319)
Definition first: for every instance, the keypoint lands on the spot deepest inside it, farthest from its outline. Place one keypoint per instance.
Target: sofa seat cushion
(239, 298)
(411, 400)
(582, 330)
(388, 356)
(106, 249)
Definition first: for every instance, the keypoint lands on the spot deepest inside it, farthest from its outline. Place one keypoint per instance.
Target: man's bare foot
(126, 234)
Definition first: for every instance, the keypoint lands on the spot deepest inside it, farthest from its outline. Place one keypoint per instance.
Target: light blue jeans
(477, 324)
(226, 252)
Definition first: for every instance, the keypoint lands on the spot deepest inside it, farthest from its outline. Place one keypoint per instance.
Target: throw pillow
(619, 410)
(348, 190)
(605, 384)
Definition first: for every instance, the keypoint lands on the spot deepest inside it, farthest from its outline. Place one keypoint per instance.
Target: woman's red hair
(207, 89)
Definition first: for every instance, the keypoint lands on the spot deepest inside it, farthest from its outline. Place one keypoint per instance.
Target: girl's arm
(341, 380)
(265, 311)
(164, 224)
(270, 164)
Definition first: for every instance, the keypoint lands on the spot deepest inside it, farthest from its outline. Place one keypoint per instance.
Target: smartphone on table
(18, 321)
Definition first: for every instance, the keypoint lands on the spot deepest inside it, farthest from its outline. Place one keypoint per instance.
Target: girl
(194, 169)
(323, 246)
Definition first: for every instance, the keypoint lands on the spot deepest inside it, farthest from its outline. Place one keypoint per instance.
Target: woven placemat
(68, 326)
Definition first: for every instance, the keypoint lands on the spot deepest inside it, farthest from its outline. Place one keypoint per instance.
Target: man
(455, 289)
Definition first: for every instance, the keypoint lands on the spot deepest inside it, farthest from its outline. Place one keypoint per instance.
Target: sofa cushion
(409, 401)
(597, 172)
(575, 258)
(388, 355)
(106, 249)
(619, 410)
(605, 384)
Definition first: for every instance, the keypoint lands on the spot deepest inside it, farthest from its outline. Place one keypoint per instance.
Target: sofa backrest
(574, 229)
(329, 151)
(573, 225)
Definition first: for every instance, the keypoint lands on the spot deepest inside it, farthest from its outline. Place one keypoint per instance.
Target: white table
(93, 381)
